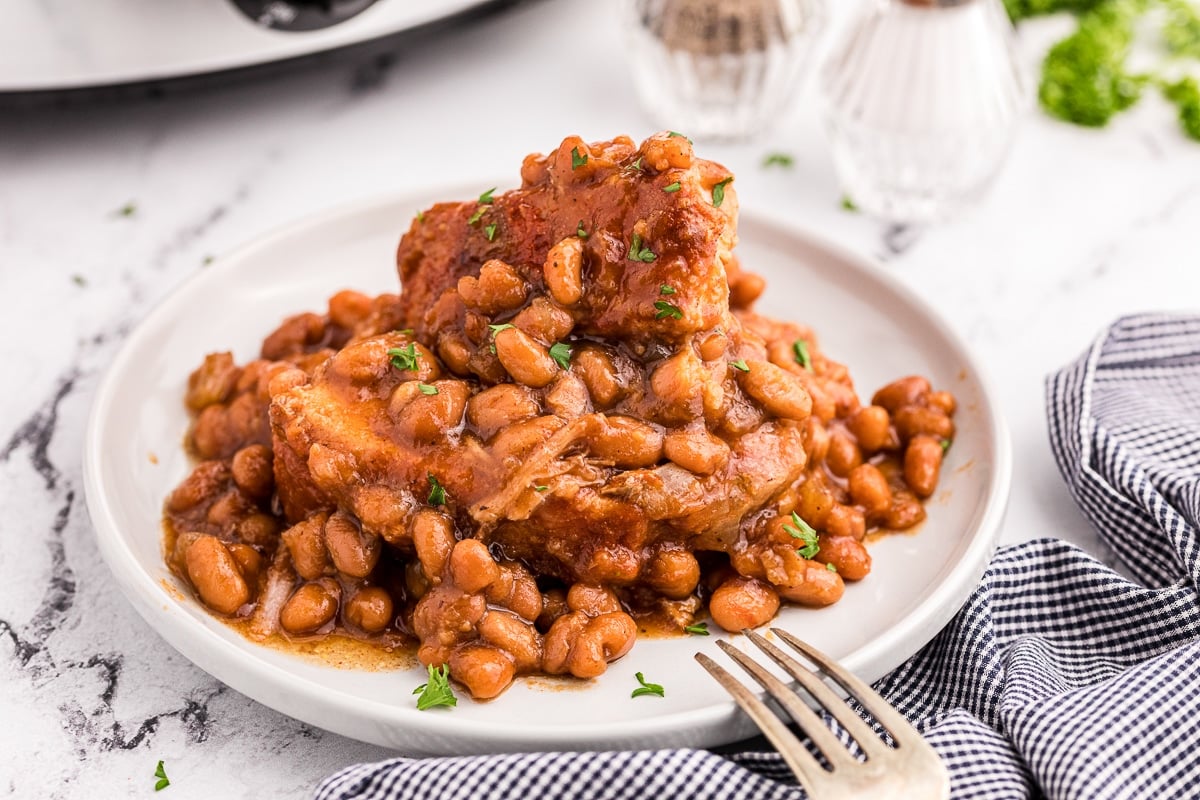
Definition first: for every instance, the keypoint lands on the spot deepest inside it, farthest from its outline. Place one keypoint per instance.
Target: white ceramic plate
(864, 318)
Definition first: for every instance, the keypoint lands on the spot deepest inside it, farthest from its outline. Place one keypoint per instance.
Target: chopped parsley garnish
(666, 289)
(831, 567)
(208, 260)
(946, 445)
(406, 331)
(490, 232)
(478, 215)
(561, 353)
(540, 488)
(163, 781)
(698, 629)
(78, 280)
(800, 353)
(501, 327)
(665, 309)
(437, 492)
(639, 252)
(741, 364)
(577, 159)
(420, 216)
(671, 188)
(580, 232)
(437, 692)
(636, 166)
(718, 192)
(427, 389)
(404, 358)
(486, 197)
(647, 688)
(127, 210)
(848, 204)
(778, 160)
(673, 134)
(799, 529)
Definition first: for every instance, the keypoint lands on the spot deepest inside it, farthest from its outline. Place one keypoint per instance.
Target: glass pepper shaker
(922, 100)
(720, 69)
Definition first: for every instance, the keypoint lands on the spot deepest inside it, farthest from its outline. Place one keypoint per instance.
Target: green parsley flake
(741, 364)
(799, 529)
(437, 692)
(665, 309)
(718, 192)
(501, 327)
(946, 445)
(636, 166)
(673, 134)
(848, 204)
(800, 353)
(478, 215)
(163, 781)
(486, 197)
(671, 188)
(540, 488)
(427, 389)
(208, 260)
(561, 353)
(577, 159)
(420, 216)
(647, 688)
(78, 280)
(490, 232)
(127, 210)
(831, 567)
(778, 160)
(639, 252)
(699, 629)
(666, 289)
(404, 358)
(580, 232)
(437, 492)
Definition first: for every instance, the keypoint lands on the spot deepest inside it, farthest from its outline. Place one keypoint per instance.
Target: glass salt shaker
(922, 99)
(721, 69)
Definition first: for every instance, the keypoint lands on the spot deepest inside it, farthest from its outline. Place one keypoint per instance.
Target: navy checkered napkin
(1059, 678)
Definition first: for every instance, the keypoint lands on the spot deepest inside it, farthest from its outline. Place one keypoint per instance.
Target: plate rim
(249, 675)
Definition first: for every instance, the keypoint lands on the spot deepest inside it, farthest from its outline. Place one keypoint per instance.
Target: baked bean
(416, 583)
(816, 440)
(556, 647)
(563, 271)
(820, 587)
(596, 370)
(433, 538)
(697, 451)
(746, 289)
(676, 383)
(712, 345)
(445, 615)
(499, 406)
(568, 397)
(472, 567)
(848, 555)
(485, 671)
(455, 352)
(592, 600)
(673, 573)
(348, 308)
(518, 439)
(285, 380)
(871, 426)
(846, 521)
(369, 609)
(498, 288)
(525, 360)
(252, 470)
(902, 392)
(776, 390)
(922, 464)
(293, 336)
(205, 481)
(942, 401)
(311, 607)
(249, 563)
(353, 551)
(514, 636)
(906, 511)
(428, 368)
(627, 443)
(215, 573)
(917, 420)
(605, 638)
(843, 455)
(306, 544)
(383, 511)
(213, 381)
(869, 488)
(428, 417)
(544, 321)
(229, 509)
(554, 605)
(259, 529)
(743, 603)
(662, 152)
(815, 502)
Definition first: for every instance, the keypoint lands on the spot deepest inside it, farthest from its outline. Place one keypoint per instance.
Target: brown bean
(846, 521)
(249, 563)
(514, 636)
(498, 288)
(568, 397)
(252, 470)
(596, 370)
(310, 607)
(942, 401)
(484, 670)
(662, 152)
(518, 439)
(902, 392)
(428, 417)
(370, 609)
(559, 640)
(627, 443)
(677, 383)
(871, 426)
(746, 289)
(776, 390)
(843, 455)
(445, 615)
(605, 638)
(917, 420)
(869, 489)
(216, 575)
(673, 573)
(592, 599)
(906, 511)
(922, 465)
(820, 587)
(697, 451)
(525, 360)
(544, 321)
(259, 529)
(848, 555)
(455, 352)
(554, 605)
(472, 567)
(713, 345)
(208, 479)
(499, 406)
(347, 308)
(354, 551)
(816, 440)
(213, 381)
(433, 538)
(306, 543)
(563, 271)
(743, 603)
(816, 501)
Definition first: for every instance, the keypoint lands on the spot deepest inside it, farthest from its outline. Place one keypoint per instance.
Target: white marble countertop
(1082, 227)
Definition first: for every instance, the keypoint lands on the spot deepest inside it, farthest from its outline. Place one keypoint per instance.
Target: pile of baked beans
(499, 474)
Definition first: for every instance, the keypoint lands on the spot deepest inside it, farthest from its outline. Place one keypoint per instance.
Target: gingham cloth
(1059, 678)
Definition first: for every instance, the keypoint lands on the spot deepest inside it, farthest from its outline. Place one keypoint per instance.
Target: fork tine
(809, 721)
(901, 730)
(855, 725)
(802, 763)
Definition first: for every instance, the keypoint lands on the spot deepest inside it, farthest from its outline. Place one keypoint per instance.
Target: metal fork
(909, 769)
